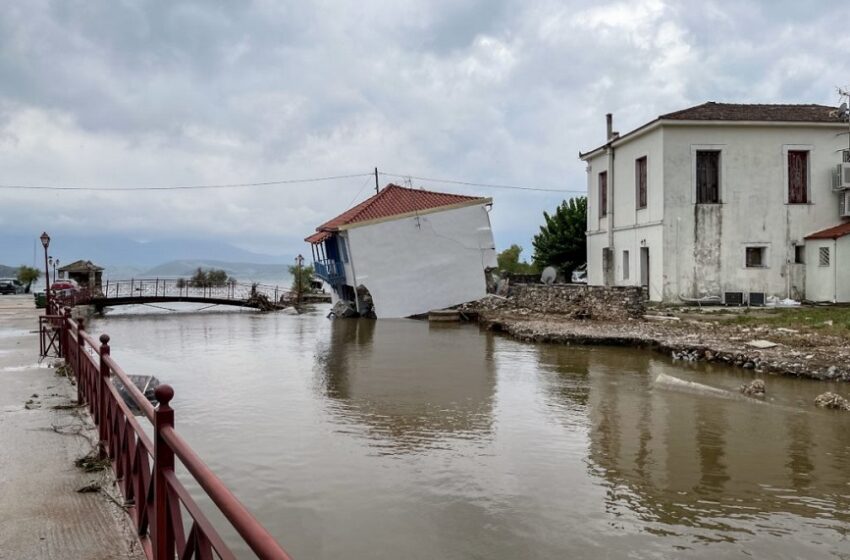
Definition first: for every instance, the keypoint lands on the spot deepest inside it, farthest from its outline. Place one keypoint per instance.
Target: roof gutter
(652, 125)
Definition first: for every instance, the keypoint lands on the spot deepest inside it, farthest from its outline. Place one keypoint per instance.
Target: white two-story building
(740, 202)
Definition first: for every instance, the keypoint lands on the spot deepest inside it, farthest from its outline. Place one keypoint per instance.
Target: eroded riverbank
(803, 351)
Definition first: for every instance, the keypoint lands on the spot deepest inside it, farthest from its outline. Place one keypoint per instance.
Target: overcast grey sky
(132, 93)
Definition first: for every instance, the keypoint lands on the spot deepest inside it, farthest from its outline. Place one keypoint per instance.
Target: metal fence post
(163, 534)
(81, 347)
(64, 339)
(101, 394)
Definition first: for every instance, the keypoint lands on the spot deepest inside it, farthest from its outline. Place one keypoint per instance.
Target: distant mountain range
(124, 258)
(114, 251)
(241, 271)
(8, 271)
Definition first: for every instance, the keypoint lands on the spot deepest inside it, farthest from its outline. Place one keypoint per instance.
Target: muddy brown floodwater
(398, 439)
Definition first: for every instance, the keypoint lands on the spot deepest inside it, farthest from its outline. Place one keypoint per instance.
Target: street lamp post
(55, 266)
(299, 260)
(45, 242)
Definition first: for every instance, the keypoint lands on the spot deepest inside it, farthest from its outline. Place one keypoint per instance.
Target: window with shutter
(640, 181)
(823, 256)
(708, 177)
(603, 194)
(798, 177)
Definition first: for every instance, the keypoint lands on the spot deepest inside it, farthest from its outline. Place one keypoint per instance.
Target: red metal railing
(144, 466)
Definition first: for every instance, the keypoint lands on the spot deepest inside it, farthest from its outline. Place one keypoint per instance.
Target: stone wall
(609, 303)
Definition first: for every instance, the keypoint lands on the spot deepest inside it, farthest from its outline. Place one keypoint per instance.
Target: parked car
(580, 274)
(11, 286)
(64, 288)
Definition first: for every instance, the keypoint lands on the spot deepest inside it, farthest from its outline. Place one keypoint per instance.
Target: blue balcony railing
(330, 271)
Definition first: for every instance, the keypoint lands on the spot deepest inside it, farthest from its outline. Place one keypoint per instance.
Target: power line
(285, 182)
(186, 187)
(486, 185)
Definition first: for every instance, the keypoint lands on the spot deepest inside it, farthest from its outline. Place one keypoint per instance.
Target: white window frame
(765, 259)
(828, 256)
(722, 187)
(797, 148)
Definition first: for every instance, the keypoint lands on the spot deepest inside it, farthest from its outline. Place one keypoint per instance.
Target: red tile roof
(832, 233)
(393, 200)
(713, 111)
(742, 112)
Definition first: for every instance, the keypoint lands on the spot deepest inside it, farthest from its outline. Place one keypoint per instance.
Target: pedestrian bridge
(167, 290)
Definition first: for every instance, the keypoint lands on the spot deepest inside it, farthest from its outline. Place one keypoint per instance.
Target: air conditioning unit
(733, 298)
(841, 177)
(844, 204)
(756, 299)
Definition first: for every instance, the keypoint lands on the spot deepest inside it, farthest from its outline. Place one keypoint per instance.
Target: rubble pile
(579, 301)
(755, 388)
(832, 400)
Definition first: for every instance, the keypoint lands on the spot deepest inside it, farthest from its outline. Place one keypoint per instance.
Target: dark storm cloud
(139, 93)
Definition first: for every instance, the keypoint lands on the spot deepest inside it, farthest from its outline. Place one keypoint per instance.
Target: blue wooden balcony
(330, 271)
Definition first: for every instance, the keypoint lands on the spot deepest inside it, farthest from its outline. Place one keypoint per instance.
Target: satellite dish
(550, 274)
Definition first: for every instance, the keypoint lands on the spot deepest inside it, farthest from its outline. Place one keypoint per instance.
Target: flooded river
(397, 439)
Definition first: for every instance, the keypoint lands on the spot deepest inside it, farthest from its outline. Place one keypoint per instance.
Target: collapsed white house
(406, 251)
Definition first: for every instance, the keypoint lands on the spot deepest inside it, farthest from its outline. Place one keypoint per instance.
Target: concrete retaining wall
(610, 303)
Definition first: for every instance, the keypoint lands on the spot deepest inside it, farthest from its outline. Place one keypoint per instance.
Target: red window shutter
(708, 177)
(603, 193)
(798, 177)
(640, 180)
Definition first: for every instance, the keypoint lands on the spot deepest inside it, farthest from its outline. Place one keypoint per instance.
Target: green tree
(27, 275)
(508, 261)
(206, 278)
(217, 277)
(304, 281)
(562, 241)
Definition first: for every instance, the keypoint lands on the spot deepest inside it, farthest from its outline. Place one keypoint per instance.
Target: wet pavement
(42, 514)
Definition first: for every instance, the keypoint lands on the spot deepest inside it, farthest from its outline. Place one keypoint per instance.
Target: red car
(64, 288)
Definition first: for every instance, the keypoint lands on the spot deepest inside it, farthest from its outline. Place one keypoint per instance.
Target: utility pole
(377, 187)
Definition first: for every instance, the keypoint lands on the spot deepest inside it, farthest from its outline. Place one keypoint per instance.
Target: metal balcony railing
(330, 271)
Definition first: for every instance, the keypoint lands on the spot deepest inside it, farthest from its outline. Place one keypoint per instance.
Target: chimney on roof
(610, 133)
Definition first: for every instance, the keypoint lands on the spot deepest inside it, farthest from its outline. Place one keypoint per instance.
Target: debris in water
(754, 388)
(832, 400)
(762, 344)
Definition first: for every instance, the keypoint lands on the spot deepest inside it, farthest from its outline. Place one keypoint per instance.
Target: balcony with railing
(330, 271)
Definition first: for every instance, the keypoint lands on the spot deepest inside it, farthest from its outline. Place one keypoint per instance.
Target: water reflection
(409, 395)
(713, 469)
(398, 439)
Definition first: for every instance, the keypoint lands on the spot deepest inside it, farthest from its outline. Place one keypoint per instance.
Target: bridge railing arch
(175, 288)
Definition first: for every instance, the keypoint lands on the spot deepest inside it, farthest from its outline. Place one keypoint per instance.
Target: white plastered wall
(416, 264)
(634, 228)
(705, 244)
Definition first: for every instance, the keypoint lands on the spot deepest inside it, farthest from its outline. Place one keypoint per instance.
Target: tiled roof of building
(713, 111)
(80, 265)
(832, 233)
(393, 200)
(740, 112)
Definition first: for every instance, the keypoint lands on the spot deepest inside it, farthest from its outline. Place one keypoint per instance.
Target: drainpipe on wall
(611, 136)
(835, 271)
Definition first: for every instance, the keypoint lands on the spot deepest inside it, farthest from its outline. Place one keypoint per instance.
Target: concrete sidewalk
(42, 515)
